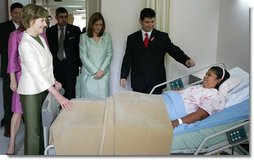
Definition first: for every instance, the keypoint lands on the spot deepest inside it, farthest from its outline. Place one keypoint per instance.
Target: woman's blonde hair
(32, 12)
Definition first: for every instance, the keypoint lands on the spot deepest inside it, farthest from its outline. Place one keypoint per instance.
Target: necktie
(60, 53)
(146, 40)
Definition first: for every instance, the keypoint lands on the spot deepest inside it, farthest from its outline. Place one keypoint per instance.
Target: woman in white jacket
(36, 77)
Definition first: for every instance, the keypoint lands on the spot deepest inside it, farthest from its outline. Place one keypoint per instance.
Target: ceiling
(77, 4)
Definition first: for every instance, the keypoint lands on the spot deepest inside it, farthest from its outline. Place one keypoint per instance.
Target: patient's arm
(200, 114)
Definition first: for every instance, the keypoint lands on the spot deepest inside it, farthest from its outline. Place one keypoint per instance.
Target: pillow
(228, 85)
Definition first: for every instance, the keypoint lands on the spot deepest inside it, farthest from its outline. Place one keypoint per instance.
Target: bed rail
(50, 150)
(50, 110)
(221, 146)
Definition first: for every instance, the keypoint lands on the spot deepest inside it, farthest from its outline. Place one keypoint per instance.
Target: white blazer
(36, 66)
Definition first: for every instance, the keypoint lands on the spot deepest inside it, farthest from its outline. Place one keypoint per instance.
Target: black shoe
(7, 132)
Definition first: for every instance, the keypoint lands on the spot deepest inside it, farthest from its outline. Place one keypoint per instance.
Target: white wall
(194, 28)
(234, 31)
(122, 19)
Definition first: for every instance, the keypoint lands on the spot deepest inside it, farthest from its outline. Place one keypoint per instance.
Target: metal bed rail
(221, 146)
(50, 150)
(50, 110)
(215, 148)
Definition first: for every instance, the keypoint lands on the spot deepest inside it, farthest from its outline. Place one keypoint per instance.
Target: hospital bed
(225, 131)
(201, 139)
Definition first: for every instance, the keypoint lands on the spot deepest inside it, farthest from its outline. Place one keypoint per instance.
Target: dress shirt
(15, 24)
(143, 34)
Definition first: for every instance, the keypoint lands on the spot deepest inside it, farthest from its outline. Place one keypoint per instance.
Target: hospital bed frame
(50, 110)
(223, 146)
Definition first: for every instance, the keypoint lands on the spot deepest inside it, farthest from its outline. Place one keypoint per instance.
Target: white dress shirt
(143, 34)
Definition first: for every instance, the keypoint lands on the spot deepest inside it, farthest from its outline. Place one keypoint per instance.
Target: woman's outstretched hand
(64, 102)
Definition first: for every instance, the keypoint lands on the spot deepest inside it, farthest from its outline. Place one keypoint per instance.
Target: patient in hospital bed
(197, 102)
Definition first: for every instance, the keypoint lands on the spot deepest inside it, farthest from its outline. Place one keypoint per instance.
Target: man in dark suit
(144, 55)
(5, 29)
(66, 67)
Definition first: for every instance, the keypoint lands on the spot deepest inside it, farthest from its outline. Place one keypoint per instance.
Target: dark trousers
(7, 97)
(32, 105)
(149, 89)
(66, 75)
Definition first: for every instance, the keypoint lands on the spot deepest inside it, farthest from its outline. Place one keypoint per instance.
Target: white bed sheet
(240, 92)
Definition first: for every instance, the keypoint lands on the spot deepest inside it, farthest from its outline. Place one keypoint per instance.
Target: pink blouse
(209, 99)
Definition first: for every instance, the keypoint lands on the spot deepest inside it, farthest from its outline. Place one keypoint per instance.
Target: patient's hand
(175, 123)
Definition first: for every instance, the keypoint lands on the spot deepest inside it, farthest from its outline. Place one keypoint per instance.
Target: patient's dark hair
(220, 72)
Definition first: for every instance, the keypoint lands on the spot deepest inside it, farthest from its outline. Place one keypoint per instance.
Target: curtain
(163, 10)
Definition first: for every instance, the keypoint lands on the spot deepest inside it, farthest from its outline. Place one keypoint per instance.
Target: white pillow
(228, 85)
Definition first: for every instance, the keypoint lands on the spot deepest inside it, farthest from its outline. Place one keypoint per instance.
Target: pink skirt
(16, 104)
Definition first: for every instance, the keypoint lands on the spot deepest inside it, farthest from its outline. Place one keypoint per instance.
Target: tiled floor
(4, 141)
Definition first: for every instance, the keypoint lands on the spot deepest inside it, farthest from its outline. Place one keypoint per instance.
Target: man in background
(48, 21)
(5, 29)
(63, 39)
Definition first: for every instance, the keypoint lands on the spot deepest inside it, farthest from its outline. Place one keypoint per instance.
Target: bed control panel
(176, 84)
(236, 135)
